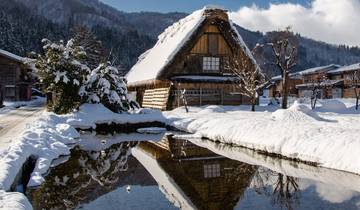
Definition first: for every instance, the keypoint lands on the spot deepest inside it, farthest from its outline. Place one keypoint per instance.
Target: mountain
(23, 23)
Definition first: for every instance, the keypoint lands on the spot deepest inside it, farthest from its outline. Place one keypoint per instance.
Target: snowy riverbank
(328, 136)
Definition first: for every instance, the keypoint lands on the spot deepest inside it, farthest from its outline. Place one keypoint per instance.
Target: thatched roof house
(190, 55)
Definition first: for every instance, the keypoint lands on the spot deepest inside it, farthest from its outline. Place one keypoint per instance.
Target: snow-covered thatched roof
(151, 63)
(319, 69)
(12, 56)
(352, 67)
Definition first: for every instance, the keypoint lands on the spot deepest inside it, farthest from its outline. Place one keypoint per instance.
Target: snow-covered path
(15, 122)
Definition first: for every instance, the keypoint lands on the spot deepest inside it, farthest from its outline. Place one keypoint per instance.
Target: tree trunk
(253, 103)
(285, 90)
(357, 99)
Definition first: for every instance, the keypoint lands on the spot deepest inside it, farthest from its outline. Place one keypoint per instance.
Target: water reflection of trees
(72, 183)
(283, 190)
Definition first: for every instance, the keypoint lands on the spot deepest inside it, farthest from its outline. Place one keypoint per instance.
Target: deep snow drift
(328, 137)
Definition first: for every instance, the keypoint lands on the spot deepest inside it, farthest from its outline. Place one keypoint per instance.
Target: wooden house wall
(198, 94)
(11, 81)
(293, 91)
(349, 92)
(190, 60)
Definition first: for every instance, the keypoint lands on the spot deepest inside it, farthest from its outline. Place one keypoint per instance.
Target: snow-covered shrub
(62, 72)
(104, 85)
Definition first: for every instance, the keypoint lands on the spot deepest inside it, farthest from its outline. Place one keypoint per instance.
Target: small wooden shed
(189, 61)
(15, 83)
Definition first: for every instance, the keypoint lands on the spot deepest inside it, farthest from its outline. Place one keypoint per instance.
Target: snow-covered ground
(328, 136)
(11, 105)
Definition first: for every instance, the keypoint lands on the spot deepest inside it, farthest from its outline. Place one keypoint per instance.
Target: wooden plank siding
(199, 94)
(156, 98)
(202, 45)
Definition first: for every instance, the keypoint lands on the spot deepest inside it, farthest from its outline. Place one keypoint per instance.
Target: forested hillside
(23, 23)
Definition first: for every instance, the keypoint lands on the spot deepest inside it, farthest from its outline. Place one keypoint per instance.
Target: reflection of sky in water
(334, 194)
(138, 198)
(314, 196)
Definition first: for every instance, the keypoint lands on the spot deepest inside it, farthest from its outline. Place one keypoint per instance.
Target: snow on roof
(352, 67)
(319, 69)
(295, 75)
(206, 78)
(322, 84)
(12, 56)
(169, 43)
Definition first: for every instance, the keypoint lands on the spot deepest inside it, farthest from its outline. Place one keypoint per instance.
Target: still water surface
(166, 172)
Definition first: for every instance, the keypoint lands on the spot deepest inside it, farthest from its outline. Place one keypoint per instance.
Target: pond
(166, 171)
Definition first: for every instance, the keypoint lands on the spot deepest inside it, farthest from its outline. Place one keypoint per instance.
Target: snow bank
(35, 101)
(91, 114)
(329, 139)
(14, 201)
(11, 105)
(45, 140)
(333, 106)
(297, 112)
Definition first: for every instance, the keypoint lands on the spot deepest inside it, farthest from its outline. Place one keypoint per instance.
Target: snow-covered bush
(62, 72)
(104, 85)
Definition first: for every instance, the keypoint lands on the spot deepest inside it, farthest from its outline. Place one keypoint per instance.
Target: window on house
(211, 170)
(348, 77)
(211, 64)
(9, 91)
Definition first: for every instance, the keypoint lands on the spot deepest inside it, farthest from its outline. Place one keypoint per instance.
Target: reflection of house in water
(194, 177)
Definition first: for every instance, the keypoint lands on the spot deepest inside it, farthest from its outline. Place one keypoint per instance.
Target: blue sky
(188, 5)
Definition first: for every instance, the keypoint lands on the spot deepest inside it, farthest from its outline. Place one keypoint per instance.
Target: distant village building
(276, 85)
(332, 81)
(345, 75)
(15, 83)
(318, 76)
(189, 62)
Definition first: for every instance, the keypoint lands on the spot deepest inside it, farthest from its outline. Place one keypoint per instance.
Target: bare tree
(284, 47)
(318, 84)
(286, 191)
(249, 77)
(355, 84)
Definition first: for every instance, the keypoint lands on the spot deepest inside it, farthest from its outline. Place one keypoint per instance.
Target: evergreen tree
(62, 73)
(95, 52)
(104, 85)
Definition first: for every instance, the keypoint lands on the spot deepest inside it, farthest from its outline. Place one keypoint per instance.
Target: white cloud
(332, 21)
